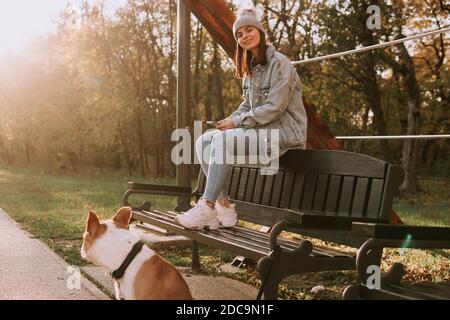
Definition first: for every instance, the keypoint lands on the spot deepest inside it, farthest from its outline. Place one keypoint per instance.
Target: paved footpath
(29, 270)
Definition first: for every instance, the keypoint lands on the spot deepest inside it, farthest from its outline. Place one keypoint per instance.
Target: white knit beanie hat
(247, 18)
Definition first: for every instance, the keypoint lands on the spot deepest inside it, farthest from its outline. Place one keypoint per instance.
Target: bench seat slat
(285, 243)
(232, 236)
(387, 231)
(263, 239)
(202, 237)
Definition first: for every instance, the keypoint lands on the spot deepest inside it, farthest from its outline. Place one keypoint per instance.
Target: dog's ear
(123, 217)
(92, 222)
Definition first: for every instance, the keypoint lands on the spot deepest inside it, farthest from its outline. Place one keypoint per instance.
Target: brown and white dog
(139, 272)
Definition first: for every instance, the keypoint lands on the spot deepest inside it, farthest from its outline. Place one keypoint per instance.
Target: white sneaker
(227, 216)
(199, 217)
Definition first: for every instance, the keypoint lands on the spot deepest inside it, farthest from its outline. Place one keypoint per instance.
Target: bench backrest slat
(323, 181)
(287, 189)
(376, 193)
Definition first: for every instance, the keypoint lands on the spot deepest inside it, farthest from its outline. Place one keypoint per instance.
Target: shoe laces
(231, 207)
(196, 207)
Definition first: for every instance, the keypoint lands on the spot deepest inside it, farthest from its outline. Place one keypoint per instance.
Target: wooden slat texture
(288, 186)
(249, 243)
(387, 231)
(359, 199)
(251, 185)
(229, 181)
(259, 188)
(320, 192)
(297, 191)
(336, 162)
(302, 184)
(309, 191)
(331, 203)
(235, 181)
(267, 193)
(373, 207)
(277, 189)
(243, 184)
(345, 203)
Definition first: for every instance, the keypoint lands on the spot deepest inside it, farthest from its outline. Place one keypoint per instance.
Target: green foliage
(102, 90)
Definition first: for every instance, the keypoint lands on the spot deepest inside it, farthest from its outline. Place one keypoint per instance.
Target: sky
(20, 20)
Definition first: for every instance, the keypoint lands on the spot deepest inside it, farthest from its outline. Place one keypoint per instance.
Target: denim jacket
(272, 99)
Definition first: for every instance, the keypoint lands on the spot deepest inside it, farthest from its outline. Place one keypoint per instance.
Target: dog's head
(101, 238)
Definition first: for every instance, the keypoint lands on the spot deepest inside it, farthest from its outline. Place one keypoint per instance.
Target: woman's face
(248, 37)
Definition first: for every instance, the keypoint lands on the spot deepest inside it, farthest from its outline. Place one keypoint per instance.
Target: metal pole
(183, 171)
(400, 137)
(375, 46)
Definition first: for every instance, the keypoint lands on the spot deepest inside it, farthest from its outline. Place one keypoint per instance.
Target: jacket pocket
(293, 135)
(263, 94)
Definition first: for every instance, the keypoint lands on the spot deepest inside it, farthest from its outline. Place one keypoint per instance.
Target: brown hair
(245, 61)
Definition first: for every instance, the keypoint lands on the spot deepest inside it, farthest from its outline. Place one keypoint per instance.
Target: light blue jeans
(216, 150)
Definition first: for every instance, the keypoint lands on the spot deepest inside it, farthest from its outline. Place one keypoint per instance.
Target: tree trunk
(4, 153)
(372, 90)
(411, 147)
(218, 83)
(196, 82)
(208, 110)
(28, 151)
(158, 164)
(49, 159)
(11, 154)
(126, 151)
(140, 140)
(374, 98)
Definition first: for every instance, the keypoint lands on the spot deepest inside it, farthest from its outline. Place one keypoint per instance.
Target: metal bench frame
(391, 287)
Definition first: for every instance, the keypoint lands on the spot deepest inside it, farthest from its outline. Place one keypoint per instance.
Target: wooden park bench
(390, 286)
(316, 193)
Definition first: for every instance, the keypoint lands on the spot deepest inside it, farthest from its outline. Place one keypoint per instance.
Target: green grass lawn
(53, 209)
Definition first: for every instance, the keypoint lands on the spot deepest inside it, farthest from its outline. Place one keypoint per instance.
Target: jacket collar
(270, 52)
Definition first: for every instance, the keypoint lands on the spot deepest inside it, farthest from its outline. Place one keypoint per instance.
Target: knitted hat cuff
(247, 18)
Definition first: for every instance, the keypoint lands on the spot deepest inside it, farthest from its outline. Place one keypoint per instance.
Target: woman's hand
(225, 124)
